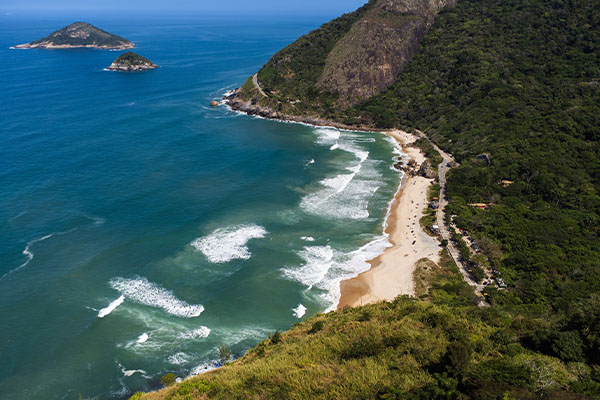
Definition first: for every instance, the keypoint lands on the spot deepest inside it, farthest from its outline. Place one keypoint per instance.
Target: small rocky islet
(131, 62)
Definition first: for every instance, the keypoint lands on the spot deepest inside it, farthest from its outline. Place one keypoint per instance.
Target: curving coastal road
(257, 86)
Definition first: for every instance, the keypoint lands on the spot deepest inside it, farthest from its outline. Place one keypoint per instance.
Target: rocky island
(130, 62)
(80, 35)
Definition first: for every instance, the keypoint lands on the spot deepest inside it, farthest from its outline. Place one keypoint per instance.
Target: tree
(224, 353)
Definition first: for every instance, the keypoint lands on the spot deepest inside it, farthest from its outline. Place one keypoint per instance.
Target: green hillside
(519, 81)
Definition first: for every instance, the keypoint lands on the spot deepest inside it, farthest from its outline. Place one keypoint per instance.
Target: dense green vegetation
(521, 82)
(83, 34)
(131, 58)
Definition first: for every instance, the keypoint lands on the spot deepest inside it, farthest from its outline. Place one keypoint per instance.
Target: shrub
(364, 345)
(275, 337)
(224, 353)
(168, 379)
(316, 327)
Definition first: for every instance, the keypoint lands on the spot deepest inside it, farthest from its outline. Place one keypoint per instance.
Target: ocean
(140, 229)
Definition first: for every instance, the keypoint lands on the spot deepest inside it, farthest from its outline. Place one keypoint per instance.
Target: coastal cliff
(80, 35)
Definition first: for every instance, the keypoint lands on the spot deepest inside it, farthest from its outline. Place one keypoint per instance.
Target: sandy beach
(391, 273)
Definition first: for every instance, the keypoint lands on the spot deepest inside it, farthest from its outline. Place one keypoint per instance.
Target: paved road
(257, 86)
(443, 168)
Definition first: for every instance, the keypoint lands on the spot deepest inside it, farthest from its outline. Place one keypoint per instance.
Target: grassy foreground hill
(440, 346)
(518, 81)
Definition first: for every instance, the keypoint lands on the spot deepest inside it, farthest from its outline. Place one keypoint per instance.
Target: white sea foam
(344, 195)
(130, 372)
(308, 238)
(140, 290)
(317, 261)
(324, 268)
(143, 338)
(179, 358)
(299, 311)
(226, 244)
(204, 367)
(201, 332)
(111, 307)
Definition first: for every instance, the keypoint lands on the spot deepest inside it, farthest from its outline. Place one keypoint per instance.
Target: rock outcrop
(370, 56)
(131, 62)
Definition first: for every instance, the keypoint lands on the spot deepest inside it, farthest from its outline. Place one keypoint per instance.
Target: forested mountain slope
(519, 81)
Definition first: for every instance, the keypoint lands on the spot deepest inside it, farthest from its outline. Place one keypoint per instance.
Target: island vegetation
(131, 61)
(512, 90)
(80, 34)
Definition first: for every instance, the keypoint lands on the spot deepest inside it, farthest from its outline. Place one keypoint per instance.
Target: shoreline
(391, 273)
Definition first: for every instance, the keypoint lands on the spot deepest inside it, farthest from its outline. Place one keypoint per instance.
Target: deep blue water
(200, 226)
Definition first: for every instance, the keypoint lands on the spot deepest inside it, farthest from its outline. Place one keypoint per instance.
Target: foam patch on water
(299, 311)
(201, 332)
(143, 338)
(204, 367)
(141, 291)
(111, 307)
(317, 261)
(179, 358)
(347, 193)
(227, 244)
(344, 196)
(130, 372)
(308, 238)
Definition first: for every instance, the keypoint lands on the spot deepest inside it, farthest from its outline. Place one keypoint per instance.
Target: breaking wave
(201, 332)
(324, 268)
(111, 307)
(141, 291)
(347, 194)
(226, 244)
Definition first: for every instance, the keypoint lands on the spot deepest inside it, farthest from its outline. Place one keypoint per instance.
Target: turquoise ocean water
(141, 229)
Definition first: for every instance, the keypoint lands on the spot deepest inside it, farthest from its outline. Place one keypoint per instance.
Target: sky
(248, 7)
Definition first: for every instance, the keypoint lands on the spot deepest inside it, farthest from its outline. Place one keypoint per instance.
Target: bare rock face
(375, 50)
(424, 8)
